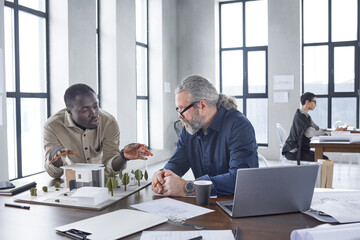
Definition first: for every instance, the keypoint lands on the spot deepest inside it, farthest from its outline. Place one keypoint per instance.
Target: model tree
(33, 191)
(111, 182)
(138, 176)
(146, 176)
(125, 180)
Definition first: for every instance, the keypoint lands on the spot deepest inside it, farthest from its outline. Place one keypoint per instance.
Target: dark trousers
(305, 156)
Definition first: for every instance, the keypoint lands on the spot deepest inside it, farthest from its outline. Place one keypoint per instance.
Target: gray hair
(200, 88)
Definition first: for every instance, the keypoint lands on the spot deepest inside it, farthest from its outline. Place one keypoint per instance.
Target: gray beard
(194, 124)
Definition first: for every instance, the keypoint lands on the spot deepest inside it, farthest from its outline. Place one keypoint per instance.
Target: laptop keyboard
(229, 206)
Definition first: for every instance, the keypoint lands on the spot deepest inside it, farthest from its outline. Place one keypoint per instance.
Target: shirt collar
(217, 121)
(68, 120)
(304, 112)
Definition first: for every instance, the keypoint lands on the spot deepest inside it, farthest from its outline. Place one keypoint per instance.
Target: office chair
(281, 132)
(178, 126)
(263, 159)
(282, 138)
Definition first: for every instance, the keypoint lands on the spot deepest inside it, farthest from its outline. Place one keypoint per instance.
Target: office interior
(183, 39)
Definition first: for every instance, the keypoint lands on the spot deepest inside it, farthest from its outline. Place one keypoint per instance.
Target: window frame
(331, 47)
(17, 94)
(245, 95)
(140, 97)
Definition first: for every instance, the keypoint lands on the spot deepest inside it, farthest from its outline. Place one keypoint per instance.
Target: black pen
(196, 238)
(16, 206)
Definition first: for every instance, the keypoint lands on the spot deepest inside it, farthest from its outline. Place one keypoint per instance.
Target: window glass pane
(141, 70)
(11, 137)
(142, 121)
(141, 21)
(256, 19)
(257, 113)
(344, 20)
(231, 25)
(232, 72)
(343, 109)
(344, 69)
(257, 71)
(320, 114)
(9, 49)
(316, 21)
(239, 102)
(34, 4)
(33, 117)
(316, 69)
(32, 44)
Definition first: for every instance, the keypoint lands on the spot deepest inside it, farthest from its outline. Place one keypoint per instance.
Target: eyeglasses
(185, 109)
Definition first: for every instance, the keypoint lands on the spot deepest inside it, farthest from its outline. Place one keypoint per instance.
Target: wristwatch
(123, 155)
(189, 186)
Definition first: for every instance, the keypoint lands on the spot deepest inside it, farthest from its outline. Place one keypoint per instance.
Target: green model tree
(125, 180)
(57, 184)
(45, 188)
(146, 175)
(112, 183)
(138, 176)
(33, 191)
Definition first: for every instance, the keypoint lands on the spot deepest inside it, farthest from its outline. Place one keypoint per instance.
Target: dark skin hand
(131, 151)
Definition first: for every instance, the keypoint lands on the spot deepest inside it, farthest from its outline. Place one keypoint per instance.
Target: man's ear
(69, 111)
(202, 104)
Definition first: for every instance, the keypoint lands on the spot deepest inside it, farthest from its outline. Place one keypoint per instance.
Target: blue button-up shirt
(228, 145)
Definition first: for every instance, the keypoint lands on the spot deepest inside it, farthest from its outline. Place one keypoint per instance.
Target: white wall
(72, 47)
(284, 58)
(197, 39)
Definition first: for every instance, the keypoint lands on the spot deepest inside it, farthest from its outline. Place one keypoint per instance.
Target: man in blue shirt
(216, 141)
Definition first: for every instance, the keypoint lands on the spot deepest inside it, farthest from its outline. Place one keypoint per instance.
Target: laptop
(273, 190)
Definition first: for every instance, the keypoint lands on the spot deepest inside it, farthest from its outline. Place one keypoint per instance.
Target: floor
(346, 176)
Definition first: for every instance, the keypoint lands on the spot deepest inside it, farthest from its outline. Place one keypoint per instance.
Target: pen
(61, 154)
(16, 206)
(146, 150)
(237, 233)
(162, 175)
(196, 238)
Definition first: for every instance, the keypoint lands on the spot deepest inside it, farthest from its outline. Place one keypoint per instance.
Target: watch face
(189, 187)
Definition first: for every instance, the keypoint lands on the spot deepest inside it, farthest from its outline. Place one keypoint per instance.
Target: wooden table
(321, 147)
(40, 221)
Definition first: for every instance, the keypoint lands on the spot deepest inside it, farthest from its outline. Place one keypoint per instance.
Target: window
(142, 82)
(98, 65)
(26, 84)
(243, 60)
(331, 59)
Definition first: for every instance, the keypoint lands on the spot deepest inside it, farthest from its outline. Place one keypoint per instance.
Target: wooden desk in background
(321, 147)
(40, 221)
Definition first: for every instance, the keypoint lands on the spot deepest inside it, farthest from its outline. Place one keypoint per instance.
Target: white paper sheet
(283, 82)
(167, 87)
(341, 205)
(172, 209)
(182, 235)
(328, 232)
(281, 97)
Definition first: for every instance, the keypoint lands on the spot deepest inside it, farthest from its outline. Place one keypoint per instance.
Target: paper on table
(171, 208)
(341, 205)
(206, 235)
(328, 232)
